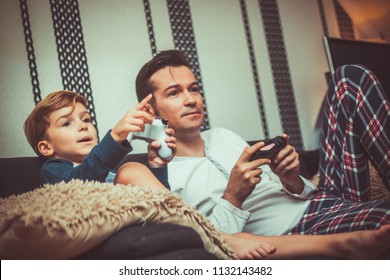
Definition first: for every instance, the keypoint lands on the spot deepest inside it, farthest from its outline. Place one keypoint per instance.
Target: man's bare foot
(249, 249)
(366, 244)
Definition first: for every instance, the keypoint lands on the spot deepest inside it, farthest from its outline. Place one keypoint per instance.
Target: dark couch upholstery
(158, 241)
(153, 241)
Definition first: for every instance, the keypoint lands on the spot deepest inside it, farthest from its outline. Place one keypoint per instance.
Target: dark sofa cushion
(19, 175)
(153, 241)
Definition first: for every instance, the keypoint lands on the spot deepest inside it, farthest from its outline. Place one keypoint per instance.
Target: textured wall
(116, 38)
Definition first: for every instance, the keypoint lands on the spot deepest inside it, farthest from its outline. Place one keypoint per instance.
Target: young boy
(60, 129)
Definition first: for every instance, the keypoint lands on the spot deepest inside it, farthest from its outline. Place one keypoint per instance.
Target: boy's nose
(83, 126)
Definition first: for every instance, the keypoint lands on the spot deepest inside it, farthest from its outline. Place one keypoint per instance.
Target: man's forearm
(233, 198)
(227, 218)
(294, 186)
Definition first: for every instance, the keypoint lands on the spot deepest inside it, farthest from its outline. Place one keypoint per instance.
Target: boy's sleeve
(95, 167)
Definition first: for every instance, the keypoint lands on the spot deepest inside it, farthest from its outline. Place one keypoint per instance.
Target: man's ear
(45, 148)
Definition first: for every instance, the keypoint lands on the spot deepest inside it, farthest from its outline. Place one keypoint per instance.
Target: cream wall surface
(117, 44)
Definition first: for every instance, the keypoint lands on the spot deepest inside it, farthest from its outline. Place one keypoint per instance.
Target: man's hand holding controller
(270, 149)
(245, 174)
(162, 142)
(284, 162)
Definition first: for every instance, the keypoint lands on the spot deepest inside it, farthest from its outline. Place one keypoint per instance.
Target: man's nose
(189, 97)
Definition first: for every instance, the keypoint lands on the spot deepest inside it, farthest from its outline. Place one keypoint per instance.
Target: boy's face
(71, 134)
(178, 98)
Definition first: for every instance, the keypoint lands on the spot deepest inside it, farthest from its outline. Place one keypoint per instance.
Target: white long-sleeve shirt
(269, 210)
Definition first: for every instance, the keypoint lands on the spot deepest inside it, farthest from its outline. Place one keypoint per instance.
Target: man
(212, 170)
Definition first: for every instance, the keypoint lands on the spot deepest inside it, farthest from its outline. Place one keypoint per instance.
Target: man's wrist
(296, 186)
(232, 199)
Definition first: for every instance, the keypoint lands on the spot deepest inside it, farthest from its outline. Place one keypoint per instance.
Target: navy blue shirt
(103, 158)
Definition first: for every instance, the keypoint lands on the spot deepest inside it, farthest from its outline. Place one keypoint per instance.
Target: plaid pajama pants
(356, 129)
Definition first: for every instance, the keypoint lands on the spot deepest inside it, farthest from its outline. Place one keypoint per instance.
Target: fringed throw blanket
(64, 220)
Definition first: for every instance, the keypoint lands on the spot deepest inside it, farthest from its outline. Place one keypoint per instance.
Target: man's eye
(173, 93)
(195, 89)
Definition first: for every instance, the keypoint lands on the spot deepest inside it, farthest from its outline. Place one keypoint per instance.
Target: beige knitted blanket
(64, 220)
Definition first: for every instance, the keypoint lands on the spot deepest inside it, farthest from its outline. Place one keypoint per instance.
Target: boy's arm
(95, 167)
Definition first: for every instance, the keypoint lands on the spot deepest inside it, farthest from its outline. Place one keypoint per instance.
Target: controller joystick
(152, 132)
(270, 149)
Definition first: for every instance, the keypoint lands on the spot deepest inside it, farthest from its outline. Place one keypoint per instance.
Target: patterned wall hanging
(184, 40)
(30, 51)
(255, 72)
(149, 24)
(280, 70)
(71, 50)
(323, 18)
(344, 22)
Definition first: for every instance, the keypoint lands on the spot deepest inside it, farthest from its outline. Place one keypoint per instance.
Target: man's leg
(356, 129)
(329, 214)
(366, 244)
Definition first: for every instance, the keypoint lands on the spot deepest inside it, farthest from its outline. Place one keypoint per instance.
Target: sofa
(145, 241)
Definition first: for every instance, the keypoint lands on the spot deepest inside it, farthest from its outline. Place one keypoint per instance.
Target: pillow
(64, 220)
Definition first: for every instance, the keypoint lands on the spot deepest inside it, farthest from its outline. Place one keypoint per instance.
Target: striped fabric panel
(71, 50)
(149, 24)
(324, 23)
(184, 40)
(281, 72)
(255, 73)
(30, 51)
(344, 22)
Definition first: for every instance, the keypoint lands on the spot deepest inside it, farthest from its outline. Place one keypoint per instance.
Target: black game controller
(270, 149)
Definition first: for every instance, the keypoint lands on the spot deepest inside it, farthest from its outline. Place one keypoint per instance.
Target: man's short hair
(36, 125)
(173, 58)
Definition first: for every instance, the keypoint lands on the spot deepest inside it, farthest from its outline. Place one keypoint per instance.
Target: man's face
(178, 98)
(71, 134)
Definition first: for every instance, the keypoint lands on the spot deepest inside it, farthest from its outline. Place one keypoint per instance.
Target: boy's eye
(66, 123)
(87, 120)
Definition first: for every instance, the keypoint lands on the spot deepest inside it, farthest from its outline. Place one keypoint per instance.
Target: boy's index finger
(145, 101)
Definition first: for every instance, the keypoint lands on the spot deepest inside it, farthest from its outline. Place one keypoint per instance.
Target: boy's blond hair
(37, 123)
